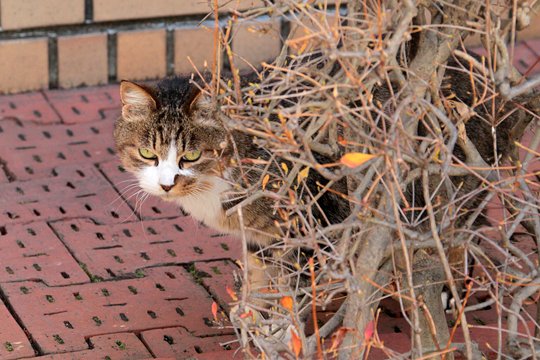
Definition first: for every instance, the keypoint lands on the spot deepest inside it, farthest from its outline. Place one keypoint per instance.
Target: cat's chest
(206, 206)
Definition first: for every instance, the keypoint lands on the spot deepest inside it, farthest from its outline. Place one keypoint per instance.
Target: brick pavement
(86, 271)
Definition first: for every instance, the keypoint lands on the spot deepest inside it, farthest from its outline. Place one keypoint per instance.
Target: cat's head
(169, 137)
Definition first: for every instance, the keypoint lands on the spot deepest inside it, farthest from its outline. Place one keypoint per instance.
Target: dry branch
(444, 128)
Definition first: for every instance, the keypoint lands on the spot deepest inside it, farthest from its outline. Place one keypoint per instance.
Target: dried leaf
(437, 154)
(355, 159)
(296, 343)
(302, 174)
(341, 140)
(292, 197)
(265, 180)
(369, 330)
(214, 310)
(231, 293)
(246, 314)
(285, 168)
(464, 111)
(337, 337)
(287, 302)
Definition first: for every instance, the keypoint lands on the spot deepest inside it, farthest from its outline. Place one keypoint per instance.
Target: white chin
(167, 196)
(154, 191)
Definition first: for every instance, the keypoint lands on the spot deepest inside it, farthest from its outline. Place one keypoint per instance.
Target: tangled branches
(429, 146)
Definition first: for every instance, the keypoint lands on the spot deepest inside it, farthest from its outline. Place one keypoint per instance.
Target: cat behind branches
(176, 144)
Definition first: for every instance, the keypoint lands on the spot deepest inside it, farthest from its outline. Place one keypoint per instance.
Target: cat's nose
(166, 187)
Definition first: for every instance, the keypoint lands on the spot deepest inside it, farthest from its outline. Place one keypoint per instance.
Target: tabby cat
(178, 148)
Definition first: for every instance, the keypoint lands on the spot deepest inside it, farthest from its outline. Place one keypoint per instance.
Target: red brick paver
(121, 346)
(13, 342)
(177, 343)
(69, 192)
(86, 105)
(28, 107)
(61, 318)
(118, 250)
(32, 251)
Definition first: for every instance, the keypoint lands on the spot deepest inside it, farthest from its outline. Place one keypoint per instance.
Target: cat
(175, 144)
(179, 148)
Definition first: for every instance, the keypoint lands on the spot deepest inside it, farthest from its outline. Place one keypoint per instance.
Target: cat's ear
(194, 99)
(199, 105)
(137, 102)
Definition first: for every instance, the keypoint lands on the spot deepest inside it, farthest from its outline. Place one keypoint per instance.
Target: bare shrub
(427, 137)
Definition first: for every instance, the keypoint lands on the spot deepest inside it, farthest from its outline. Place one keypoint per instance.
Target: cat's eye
(147, 154)
(193, 155)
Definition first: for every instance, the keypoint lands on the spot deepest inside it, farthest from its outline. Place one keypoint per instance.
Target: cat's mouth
(182, 191)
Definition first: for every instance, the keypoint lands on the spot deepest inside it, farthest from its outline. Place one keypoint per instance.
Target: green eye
(192, 155)
(147, 154)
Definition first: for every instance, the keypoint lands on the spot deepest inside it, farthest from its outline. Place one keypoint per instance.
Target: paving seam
(185, 265)
(71, 253)
(117, 277)
(147, 346)
(35, 346)
(199, 281)
(532, 48)
(104, 175)
(51, 105)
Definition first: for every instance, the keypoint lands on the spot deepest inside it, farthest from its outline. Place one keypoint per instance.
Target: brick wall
(71, 43)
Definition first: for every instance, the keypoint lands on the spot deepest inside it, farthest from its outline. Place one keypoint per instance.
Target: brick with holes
(61, 318)
(177, 343)
(71, 192)
(120, 250)
(217, 277)
(86, 105)
(33, 252)
(524, 58)
(32, 151)
(122, 346)
(28, 107)
(13, 341)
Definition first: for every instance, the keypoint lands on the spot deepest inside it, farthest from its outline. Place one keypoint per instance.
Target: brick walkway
(84, 268)
(86, 271)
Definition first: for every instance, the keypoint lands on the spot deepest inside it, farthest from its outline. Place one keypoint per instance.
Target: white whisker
(123, 192)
